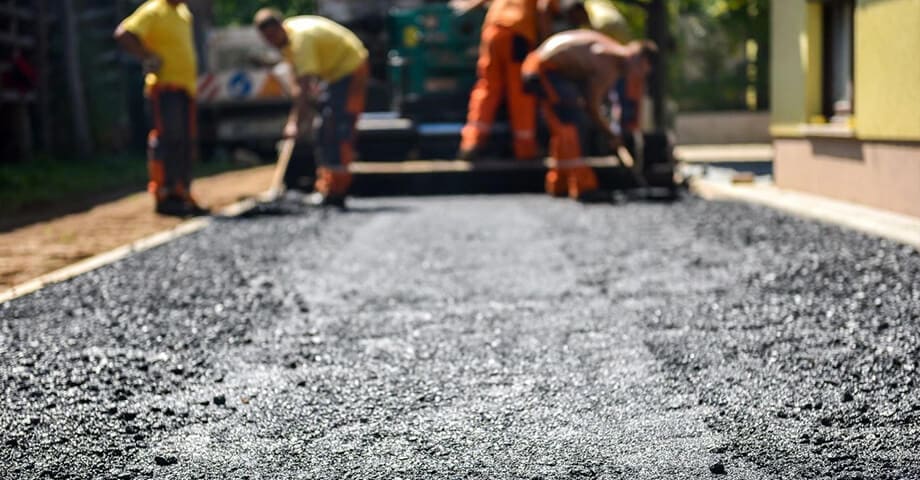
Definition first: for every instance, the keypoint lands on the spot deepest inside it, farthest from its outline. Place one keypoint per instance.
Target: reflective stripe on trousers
(569, 174)
(501, 53)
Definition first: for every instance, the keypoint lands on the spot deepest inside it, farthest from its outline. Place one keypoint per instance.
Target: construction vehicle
(423, 63)
(243, 92)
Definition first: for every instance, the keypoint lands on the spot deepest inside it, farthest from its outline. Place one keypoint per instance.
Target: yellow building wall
(795, 64)
(787, 66)
(887, 73)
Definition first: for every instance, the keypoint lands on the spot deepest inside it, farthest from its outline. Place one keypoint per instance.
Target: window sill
(813, 130)
(827, 130)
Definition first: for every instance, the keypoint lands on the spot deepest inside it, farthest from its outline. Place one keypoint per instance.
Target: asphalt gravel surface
(475, 337)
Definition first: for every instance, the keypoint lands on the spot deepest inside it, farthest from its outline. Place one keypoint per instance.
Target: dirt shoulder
(39, 248)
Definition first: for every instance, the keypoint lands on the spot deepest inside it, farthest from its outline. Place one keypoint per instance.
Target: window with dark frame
(838, 60)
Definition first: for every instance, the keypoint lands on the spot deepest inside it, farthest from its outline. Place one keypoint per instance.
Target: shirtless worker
(159, 33)
(574, 70)
(321, 51)
(511, 30)
(626, 98)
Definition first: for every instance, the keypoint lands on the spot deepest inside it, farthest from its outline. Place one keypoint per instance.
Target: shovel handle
(630, 163)
(284, 159)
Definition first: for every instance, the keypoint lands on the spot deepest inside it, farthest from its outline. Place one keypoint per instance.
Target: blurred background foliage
(720, 47)
(721, 58)
(720, 52)
(240, 12)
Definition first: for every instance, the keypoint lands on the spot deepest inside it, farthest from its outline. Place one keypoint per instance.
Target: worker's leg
(494, 54)
(570, 174)
(191, 148)
(168, 143)
(522, 107)
(346, 101)
(156, 169)
(564, 148)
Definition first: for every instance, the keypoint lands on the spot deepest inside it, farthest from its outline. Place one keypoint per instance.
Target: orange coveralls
(560, 97)
(508, 35)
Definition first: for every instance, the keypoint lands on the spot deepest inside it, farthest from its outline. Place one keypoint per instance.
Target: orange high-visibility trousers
(569, 174)
(501, 53)
(171, 143)
(346, 100)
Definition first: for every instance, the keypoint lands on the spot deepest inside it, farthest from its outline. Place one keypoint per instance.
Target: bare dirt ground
(39, 248)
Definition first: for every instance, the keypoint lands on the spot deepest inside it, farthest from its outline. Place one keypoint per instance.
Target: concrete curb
(107, 258)
(881, 223)
(738, 153)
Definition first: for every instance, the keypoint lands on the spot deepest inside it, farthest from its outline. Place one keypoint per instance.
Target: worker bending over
(159, 33)
(571, 69)
(321, 51)
(511, 30)
(626, 97)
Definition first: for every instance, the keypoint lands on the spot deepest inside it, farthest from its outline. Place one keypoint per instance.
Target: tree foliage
(240, 12)
(722, 53)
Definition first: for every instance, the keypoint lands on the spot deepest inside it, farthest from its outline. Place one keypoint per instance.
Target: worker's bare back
(584, 54)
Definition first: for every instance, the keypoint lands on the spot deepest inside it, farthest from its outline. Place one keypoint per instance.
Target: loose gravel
(475, 337)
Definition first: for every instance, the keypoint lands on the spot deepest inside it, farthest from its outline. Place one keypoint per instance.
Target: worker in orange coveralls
(159, 33)
(511, 30)
(574, 70)
(321, 51)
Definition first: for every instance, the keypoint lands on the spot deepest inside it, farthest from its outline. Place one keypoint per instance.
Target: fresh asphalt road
(475, 337)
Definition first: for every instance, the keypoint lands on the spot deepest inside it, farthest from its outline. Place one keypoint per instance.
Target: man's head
(268, 21)
(575, 13)
(646, 56)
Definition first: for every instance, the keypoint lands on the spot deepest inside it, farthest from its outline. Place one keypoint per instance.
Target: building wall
(887, 74)
(877, 161)
(884, 175)
(788, 59)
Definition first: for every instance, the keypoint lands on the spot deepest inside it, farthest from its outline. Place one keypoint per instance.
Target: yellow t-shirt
(166, 31)
(318, 46)
(605, 18)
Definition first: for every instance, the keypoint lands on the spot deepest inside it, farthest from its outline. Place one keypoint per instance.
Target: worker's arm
(302, 111)
(130, 43)
(597, 92)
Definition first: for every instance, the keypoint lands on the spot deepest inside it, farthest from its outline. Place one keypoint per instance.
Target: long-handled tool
(633, 166)
(276, 189)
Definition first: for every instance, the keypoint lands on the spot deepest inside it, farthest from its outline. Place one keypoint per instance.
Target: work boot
(192, 208)
(469, 154)
(595, 196)
(172, 206)
(195, 210)
(176, 206)
(318, 199)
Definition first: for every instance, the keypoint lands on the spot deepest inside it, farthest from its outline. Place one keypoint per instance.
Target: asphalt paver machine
(423, 59)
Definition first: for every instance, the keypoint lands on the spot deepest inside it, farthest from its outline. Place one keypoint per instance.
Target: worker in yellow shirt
(321, 51)
(159, 33)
